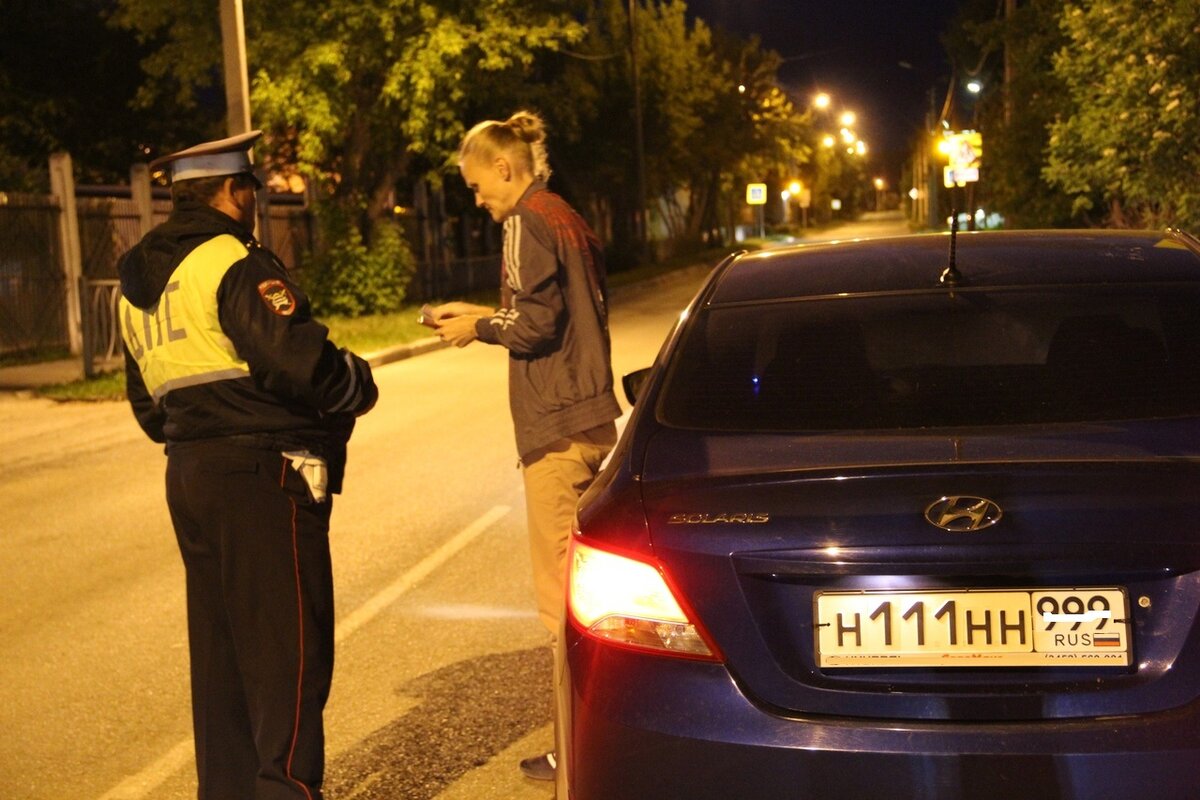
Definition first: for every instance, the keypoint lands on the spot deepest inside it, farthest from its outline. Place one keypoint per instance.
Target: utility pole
(237, 97)
(237, 82)
(639, 142)
(1010, 10)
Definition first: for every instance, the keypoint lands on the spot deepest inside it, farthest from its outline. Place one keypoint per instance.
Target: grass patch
(108, 386)
(376, 331)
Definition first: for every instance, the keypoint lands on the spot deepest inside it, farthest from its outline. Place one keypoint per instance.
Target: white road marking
(142, 784)
(145, 782)
(370, 609)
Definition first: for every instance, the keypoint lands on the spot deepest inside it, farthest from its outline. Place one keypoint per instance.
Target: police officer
(227, 367)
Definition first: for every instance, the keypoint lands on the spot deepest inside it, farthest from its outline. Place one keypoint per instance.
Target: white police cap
(229, 156)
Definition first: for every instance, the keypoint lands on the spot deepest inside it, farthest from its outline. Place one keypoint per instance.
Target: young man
(553, 320)
(225, 365)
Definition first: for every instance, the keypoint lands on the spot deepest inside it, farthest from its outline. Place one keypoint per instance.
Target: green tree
(700, 131)
(757, 130)
(1131, 131)
(1015, 119)
(66, 83)
(357, 94)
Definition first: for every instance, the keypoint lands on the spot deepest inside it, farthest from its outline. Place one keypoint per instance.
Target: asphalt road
(442, 677)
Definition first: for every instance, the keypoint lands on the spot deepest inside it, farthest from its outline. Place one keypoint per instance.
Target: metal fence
(108, 227)
(36, 301)
(453, 278)
(290, 233)
(32, 284)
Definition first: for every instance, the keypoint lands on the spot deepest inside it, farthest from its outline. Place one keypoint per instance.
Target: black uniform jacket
(302, 392)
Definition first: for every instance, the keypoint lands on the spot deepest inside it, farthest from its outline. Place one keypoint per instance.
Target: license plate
(974, 628)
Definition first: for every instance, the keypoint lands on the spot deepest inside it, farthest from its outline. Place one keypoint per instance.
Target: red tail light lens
(629, 602)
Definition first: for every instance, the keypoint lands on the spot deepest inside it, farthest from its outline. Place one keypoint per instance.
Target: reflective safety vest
(179, 342)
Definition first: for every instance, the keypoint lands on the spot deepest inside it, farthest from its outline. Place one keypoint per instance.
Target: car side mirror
(633, 383)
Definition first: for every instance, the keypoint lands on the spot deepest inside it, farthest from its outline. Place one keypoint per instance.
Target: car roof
(983, 258)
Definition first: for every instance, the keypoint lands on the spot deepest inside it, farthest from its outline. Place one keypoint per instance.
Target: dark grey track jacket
(553, 320)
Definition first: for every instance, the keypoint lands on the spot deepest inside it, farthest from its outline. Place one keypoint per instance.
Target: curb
(377, 358)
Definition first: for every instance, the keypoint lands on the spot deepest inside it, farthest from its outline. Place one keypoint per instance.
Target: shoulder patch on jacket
(278, 297)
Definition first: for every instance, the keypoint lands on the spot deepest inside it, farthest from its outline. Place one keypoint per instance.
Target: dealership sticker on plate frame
(1067, 627)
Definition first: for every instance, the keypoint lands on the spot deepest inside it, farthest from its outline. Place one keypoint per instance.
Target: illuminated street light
(794, 187)
(821, 101)
(848, 118)
(741, 88)
(848, 136)
(828, 141)
(974, 87)
(860, 147)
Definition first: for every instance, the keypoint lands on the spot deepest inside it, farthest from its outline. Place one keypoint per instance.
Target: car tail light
(629, 602)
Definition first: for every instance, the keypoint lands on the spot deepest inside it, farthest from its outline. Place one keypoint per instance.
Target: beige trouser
(555, 477)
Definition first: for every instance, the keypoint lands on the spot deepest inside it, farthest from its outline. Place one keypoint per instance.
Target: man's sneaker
(540, 768)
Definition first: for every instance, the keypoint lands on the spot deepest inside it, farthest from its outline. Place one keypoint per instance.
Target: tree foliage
(1015, 119)
(351, 92)
(366, 97)
(66, 82)
(351, 89)
(371, 84)
(1131, 130)
(700, 132)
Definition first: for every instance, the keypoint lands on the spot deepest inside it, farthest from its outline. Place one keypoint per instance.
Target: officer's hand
(458, 330)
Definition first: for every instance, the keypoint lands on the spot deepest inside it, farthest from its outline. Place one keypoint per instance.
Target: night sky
(853, 49)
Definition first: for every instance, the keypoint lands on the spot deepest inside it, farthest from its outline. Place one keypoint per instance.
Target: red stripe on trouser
(300, 621)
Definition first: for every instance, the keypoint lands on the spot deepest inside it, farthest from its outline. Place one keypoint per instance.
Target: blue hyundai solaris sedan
(896, 519)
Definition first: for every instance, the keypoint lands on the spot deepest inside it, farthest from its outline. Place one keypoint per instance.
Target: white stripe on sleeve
(512, 251)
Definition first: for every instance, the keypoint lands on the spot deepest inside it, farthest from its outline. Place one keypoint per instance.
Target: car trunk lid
(795, 527)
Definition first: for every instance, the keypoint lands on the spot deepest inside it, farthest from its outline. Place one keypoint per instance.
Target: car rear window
(966, 358)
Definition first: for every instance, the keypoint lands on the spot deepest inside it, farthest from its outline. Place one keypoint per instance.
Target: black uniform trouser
(260, 619)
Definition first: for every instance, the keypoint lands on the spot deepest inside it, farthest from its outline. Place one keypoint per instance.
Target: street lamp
(821, 101)
(848, 118)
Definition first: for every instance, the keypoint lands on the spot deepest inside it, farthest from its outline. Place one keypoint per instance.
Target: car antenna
(950, 275)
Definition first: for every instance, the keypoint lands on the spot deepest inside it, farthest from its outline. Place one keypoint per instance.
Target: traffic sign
(756, 194)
